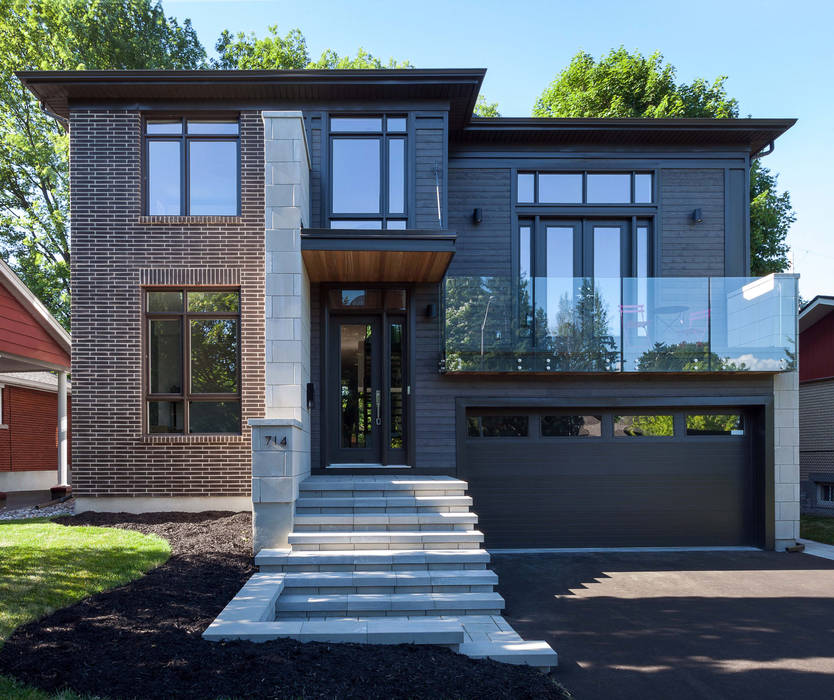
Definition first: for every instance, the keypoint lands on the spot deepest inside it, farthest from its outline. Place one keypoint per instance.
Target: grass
(45, 566)
(819, 528)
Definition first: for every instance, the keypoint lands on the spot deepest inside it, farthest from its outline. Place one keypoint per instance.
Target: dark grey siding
(688, 249)
(430, 155)
(315, 374)
(816, 440)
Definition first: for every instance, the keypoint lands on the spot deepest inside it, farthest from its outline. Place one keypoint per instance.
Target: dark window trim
(184, 316)
(384, 137)
(585, 204)
(184, 139)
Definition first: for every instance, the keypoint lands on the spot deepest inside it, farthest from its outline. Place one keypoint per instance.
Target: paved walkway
(678, 625)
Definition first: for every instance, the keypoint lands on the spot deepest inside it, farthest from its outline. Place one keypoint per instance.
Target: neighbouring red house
(34, 412)
(816, 404)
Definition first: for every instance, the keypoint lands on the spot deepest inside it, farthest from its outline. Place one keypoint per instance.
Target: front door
(366, 401)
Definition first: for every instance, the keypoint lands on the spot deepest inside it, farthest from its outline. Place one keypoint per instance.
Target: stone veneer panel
(786, 457)
(116, 250)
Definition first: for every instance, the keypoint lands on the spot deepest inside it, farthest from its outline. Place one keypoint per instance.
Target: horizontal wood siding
(21, 334)
(816, 350)
(315, 143)
(430, 154)
(689, 249)
(30, 440)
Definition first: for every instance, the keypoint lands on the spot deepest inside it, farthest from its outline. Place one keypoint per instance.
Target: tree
(624, 84)
(34, 188)
(486, 109)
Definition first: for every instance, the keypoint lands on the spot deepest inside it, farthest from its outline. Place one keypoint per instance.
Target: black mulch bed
(143, 640)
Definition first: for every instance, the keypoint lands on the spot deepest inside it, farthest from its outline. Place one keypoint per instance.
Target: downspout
(761, 153)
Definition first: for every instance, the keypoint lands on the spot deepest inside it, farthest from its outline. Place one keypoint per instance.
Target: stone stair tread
(424, 577)
(384, 518)
(288, 602)
(276, 557)
(381, 483)
(530, 653)
(384, 536)
(380, 501)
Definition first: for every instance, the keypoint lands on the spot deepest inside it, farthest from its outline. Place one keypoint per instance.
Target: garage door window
(498, 426)
(571, 426)
(644, 426)
(726, 424)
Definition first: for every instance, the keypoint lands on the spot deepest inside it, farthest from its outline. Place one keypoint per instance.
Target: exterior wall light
(697, 217)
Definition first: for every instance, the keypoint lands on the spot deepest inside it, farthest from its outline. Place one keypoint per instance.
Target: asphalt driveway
(678, 625)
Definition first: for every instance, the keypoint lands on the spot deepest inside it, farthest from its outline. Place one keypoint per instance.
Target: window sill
(172, 439)
(188, 220)
(3, 426)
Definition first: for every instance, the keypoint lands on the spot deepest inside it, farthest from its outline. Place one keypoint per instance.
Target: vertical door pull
(378, 399)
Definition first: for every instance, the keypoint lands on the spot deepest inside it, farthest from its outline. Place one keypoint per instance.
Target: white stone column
(786, 458)
(63, 432)
(281, 440)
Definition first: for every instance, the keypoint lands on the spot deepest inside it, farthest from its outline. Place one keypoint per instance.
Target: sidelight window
(192, 167)
(193, 361)
(368, 172)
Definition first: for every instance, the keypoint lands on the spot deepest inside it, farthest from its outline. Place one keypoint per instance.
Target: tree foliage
(624, 84)
(486, 109)
(34, 187)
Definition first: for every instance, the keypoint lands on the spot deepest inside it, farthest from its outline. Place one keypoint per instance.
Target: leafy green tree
(684, 357)
(581, 340)
(329, 59)
(34, 187)
(486, 109)
(623, 84)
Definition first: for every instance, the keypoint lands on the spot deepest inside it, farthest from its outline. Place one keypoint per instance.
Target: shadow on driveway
(678, 625)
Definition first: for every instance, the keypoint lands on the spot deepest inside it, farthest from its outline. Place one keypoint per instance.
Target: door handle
(378, 420)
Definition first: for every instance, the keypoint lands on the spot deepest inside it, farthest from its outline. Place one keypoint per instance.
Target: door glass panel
(607, 256)
(554, 291)
(355, 384)
(609, 188)
(395, 389)
(396, 176)
(356, 177)
(641, 325)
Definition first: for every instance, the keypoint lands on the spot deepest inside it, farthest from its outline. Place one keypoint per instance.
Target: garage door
(600, 478)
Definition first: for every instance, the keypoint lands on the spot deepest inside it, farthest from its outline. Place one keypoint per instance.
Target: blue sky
(779, 59)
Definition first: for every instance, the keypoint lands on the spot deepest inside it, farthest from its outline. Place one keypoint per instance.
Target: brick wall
(31, 440)
(114, 249)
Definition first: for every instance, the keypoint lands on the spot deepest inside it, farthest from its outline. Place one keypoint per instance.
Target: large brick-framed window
(192, 166)
(192, 361)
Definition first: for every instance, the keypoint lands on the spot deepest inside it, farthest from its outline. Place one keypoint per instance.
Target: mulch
(142, 640)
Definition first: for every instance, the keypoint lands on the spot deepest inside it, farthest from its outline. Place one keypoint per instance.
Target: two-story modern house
(295, 287)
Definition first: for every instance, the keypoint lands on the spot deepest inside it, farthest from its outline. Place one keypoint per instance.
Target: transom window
(193, 361)
(368, 172)
(585, 188)
(192, 167)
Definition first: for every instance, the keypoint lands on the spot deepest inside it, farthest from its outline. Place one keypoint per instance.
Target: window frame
(584, 173)
(820, 501)
(184, 138)
(384, 136)
(186, 396)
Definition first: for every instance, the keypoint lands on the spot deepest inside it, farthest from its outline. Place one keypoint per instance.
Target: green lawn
(45, 566)
(819, 528)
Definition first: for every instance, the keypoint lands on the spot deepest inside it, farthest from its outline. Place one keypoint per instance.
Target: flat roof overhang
(342, 255)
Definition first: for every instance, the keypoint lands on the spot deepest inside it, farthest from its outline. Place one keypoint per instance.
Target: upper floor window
(585, 188)
(192, 167)
(368, 172)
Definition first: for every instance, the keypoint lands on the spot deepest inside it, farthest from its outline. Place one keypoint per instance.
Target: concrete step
(422, 539)
(338, 485)
(382, 630)
(382, 504)
(291, 605)
(327, 521)
(412, 581)
(275, 560)
(529, 653)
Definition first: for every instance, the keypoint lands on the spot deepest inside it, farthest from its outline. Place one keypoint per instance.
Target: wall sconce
(311, 396)
(697, 217)
(477, 215)
(431, 311)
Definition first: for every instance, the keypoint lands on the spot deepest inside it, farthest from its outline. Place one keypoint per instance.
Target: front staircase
(380, 559)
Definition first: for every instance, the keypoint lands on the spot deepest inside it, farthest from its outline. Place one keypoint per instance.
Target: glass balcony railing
(669, 324)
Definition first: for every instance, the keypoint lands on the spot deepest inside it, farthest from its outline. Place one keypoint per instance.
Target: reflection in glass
(396, 176)
(355, 384)
(165, 416)
(214, 301)
(212, 127)
(214, 416)
(571, 426)
(609, 188)
(526, 183)
(356, 124)
(644, 426)
(165, 353)
(214, 356)
(164, 178)
(560, 188)
(212, 178)
(504, 426)
(164, 301)
(396, 398)
(731, 424)
(172, 126)
(356, 177)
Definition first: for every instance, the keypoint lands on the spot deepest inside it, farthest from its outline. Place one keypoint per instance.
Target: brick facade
(30, 440)
(115, 250)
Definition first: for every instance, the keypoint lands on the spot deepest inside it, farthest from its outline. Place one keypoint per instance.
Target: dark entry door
(366, 396)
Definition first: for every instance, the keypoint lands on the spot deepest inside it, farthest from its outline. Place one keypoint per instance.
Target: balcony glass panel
(611, 324)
